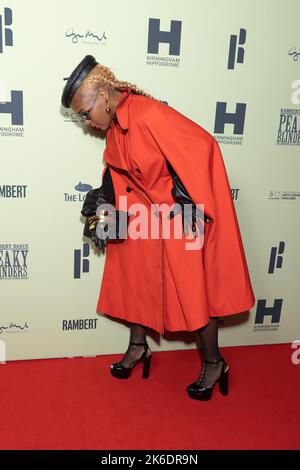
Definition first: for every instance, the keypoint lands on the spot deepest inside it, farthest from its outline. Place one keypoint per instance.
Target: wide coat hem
(190, 329)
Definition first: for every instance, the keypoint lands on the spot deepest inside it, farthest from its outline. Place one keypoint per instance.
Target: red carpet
(76, 404)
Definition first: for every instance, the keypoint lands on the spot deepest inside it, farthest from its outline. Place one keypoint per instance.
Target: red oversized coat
(157, 282)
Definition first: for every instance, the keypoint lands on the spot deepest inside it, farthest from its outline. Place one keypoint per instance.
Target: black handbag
(96, 200)
(181, 196)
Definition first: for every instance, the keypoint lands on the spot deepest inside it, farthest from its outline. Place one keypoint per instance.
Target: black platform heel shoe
(198, 392)
(122, 372)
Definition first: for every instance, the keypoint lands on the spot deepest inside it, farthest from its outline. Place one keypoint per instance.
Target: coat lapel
(113, 153)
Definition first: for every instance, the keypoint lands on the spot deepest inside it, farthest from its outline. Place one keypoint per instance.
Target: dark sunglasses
(85, 116)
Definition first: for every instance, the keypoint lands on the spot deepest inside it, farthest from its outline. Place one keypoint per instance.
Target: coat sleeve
(196, 158)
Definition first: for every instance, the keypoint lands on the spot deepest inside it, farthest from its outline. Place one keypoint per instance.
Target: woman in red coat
(172, 271)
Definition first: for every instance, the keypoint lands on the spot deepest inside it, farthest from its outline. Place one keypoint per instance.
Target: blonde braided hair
(105, 77)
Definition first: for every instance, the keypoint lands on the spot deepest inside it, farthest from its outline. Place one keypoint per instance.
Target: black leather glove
(96, 199)
(191, 215)
(90, 231)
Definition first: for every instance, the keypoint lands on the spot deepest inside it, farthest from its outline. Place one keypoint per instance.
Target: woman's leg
(210, 352)
(137, 335)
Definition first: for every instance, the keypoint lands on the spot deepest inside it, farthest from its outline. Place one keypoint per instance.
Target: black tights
(209, 347)
(137, 335)
(209, 340)
(210, 352)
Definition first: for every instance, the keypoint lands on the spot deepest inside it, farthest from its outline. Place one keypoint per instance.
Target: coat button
(128, 189)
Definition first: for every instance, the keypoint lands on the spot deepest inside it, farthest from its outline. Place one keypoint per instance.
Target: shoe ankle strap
(139, 344)
(215, 362)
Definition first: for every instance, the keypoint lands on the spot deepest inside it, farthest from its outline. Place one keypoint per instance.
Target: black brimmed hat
(76, 78)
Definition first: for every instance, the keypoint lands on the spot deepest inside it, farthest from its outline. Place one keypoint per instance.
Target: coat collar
(122, 109)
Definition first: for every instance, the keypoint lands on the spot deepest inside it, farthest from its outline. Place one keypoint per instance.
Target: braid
(104, 76)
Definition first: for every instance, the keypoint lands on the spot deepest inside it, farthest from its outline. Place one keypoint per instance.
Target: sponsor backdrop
(233, 67)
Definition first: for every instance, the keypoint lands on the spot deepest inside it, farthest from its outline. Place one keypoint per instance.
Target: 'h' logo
(223, 117)
(6, 34)
(156, 36)
(274, 311)
(14, 107)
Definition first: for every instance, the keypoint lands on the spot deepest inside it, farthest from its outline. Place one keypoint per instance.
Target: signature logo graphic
(88, 35)
(294, 53)
(13, 325)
